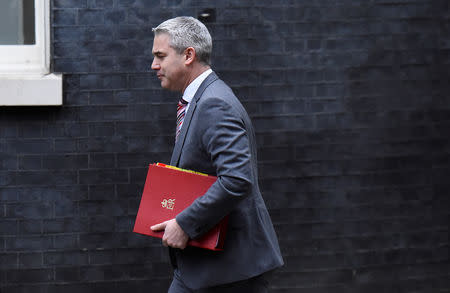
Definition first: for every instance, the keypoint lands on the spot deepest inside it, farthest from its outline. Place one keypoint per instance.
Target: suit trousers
(258, 284)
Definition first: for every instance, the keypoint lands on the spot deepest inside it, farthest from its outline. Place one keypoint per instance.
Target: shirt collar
(192, 88)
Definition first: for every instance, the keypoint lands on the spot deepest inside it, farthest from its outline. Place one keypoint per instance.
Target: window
(25, 77)
(17, 23)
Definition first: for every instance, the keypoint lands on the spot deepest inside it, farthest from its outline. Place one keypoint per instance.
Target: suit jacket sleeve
(224, 138)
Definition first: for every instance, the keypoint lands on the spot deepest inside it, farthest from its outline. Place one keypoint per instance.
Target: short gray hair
(186, 31)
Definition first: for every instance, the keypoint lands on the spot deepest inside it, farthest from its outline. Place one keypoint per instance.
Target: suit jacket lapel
(187, 119)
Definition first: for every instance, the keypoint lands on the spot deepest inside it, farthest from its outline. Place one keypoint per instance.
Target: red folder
(168, 191)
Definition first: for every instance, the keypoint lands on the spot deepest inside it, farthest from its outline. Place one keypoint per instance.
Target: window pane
(17, 22)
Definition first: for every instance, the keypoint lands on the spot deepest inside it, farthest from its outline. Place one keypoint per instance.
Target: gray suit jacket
(217, 138)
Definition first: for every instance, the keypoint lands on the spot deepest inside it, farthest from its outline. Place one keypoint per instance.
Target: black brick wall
(350, 100)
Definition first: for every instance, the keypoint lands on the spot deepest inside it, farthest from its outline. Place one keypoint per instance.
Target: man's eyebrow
(157, 53)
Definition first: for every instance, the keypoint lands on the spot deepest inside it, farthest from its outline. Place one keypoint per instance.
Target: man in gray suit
(216, 137)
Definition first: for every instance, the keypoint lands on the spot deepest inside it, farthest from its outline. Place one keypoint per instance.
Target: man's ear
(190, 55)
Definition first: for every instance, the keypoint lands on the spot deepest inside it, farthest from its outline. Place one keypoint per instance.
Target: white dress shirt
(192, 88)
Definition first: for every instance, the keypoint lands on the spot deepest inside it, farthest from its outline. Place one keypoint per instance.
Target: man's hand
(173, 236)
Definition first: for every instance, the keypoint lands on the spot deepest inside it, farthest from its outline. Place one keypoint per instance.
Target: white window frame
(25, 77)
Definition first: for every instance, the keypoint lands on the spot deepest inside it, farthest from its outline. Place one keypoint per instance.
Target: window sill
(31, 90)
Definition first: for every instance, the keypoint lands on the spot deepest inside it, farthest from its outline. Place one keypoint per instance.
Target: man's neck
(196, 72)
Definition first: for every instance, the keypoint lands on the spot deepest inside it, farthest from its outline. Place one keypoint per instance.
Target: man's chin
(164, 85)
(168, 87)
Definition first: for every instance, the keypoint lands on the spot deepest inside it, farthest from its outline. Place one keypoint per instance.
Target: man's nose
(155, 65)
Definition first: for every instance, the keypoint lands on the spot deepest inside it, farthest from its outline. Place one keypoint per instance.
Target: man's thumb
(159, 227)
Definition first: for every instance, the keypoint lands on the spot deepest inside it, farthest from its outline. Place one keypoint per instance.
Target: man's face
(168, 64)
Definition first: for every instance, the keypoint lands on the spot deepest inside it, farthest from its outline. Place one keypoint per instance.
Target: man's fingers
(159, 227)
(167, 242)
(164, 241)
(174, 236)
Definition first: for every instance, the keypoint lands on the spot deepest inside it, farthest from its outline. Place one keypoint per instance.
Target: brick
(66, 34)
(30, 162)
(30, 131)
(102, 144)
(30, 260)
(127, 32)
(131, 256)
(70, 3)
(72, 287)
(159, 285)
(132, 3)
(136, 17)
(65, 130)
(29, 146)
(68, 257)
(67, 275)
(65, 242)
(78, 65)
(28, 243)
(103, 273)
(115, 113)
(102, 82)
(91, 17)
(31, 226)
(299, 122)
(102, 160)
(8, 195)
(50, 194)
(138, 128)
(67, 225)
(29, 210)
(60, 162)
(47, 177)
(29, 276)
(133, 160)
(230, 77)
(266, 92)
(8, 261)
(137, 48)
(139, 271)
(101, 98)
(124, 224)
(8, 227)
(64, 208)
(143, 81)
(65, 17)
(8, 162)
(97, 34)
(104, 176)
(150, 112)
(65, 49)
(138, 175)
(105, 64)
(99, 257)
(9, 130)
(134, 204)
(130, 190)
(133, 64)
(101, 224)
(115, 17)
(101, 240)
(139, 143)
(101, 129)
(102, 192)
(102, 207)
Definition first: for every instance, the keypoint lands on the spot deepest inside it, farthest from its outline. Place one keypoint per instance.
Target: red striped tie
(181, 109)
